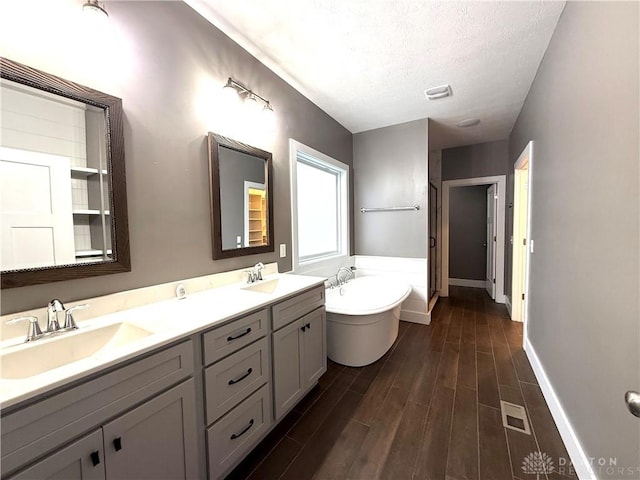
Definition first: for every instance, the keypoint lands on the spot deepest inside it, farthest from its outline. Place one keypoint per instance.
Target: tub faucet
(349, 274)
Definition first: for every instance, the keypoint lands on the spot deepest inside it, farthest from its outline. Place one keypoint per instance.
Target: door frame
(524, 162)
(492, 240)
(501, 182)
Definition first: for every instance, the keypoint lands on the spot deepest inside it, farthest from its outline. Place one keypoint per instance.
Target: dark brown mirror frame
(112, 106)
(214, 141)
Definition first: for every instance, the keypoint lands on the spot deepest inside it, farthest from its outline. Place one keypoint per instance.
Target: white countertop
(167, 320)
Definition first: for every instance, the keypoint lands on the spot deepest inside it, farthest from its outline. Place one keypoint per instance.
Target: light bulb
(230, 95)
(268, 117)
(251, 106)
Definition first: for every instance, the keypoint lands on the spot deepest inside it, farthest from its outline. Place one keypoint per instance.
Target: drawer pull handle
(95, 458)
(231, 382)
(243, 431)
(303, 328)
(308, 325)
(117, 444)
(247, 332)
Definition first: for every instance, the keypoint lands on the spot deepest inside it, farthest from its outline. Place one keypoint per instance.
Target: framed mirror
(240, 191)
(63, 199)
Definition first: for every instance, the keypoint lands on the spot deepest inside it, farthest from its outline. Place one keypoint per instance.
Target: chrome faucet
(255, 274)
(53, 325)
(53, 308)
(349, 272)
(258, 270)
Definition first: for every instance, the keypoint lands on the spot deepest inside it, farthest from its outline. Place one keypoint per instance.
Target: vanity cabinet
(200, 403)
(299, 348)
(143, 413)
(154, 440)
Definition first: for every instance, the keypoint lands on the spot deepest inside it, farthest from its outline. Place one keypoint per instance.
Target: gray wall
(169, 64)
(235, 169)
(479, 160)
(390, 169)
(582, 114)
(468, 232)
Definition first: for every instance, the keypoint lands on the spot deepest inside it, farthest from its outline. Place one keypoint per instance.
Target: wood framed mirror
(240, 191)
(63, 205)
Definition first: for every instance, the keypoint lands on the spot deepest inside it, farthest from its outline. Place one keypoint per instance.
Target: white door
(36, 216)
(490, 282)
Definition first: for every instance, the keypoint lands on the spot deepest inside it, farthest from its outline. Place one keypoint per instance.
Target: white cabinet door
(313, 346)
(36, 216)
(156, 440)
(82, 460)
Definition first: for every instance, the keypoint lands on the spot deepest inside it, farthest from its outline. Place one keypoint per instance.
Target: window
(320, 205)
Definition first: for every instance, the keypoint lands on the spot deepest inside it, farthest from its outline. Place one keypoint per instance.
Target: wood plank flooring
(429, 409)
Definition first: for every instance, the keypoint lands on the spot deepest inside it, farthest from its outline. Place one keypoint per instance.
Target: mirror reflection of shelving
(257, 217)
(91, 220)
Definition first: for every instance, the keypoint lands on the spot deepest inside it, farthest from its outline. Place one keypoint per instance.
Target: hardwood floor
(429, 409)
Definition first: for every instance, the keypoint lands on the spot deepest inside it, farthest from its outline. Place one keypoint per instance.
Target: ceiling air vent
(468, 122)
(435, 93)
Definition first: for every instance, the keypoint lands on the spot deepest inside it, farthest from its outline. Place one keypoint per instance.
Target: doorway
(522, 245)
(499, 182)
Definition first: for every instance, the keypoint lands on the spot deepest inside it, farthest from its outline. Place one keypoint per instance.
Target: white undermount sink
(266, 286)
(64, 348)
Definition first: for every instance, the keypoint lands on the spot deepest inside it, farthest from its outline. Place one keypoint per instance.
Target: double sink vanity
(178, 388)
(155, 386)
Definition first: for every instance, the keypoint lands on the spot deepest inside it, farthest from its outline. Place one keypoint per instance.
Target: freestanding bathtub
(363, 318)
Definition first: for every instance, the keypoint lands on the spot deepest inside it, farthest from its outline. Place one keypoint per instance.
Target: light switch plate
(283, 250)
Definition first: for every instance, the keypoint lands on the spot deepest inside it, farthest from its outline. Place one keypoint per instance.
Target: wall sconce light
(95, 9)
(235, 91)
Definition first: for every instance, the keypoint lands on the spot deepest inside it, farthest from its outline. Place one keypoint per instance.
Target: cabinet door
(157, 440)
(314, 346)
(287, 372)
(82, 460)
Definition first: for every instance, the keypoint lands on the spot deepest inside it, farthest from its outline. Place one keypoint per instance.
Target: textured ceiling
(367, 62)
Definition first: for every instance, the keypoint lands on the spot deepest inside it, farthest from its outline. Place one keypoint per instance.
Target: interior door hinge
(523, 296)
(495, 238)
(494, 280)
(524, 241)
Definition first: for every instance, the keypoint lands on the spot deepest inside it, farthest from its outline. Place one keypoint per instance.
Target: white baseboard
(507, 303)
(415, 317)
(463, 282)
(577, 454)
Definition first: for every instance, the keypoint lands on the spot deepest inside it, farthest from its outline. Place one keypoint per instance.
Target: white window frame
(342, 202)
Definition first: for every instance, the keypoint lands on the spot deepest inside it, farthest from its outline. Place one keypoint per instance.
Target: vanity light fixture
(95, 9)
(250, 98)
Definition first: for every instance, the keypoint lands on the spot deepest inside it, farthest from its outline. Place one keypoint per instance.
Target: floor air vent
(514, 417)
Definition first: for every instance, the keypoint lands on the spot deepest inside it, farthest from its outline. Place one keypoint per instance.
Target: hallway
(429, 409)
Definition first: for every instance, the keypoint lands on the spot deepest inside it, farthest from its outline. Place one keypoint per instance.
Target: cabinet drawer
(292, 309)
(237, 432)
(231, 380)
(225, 340)
(39, 428)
